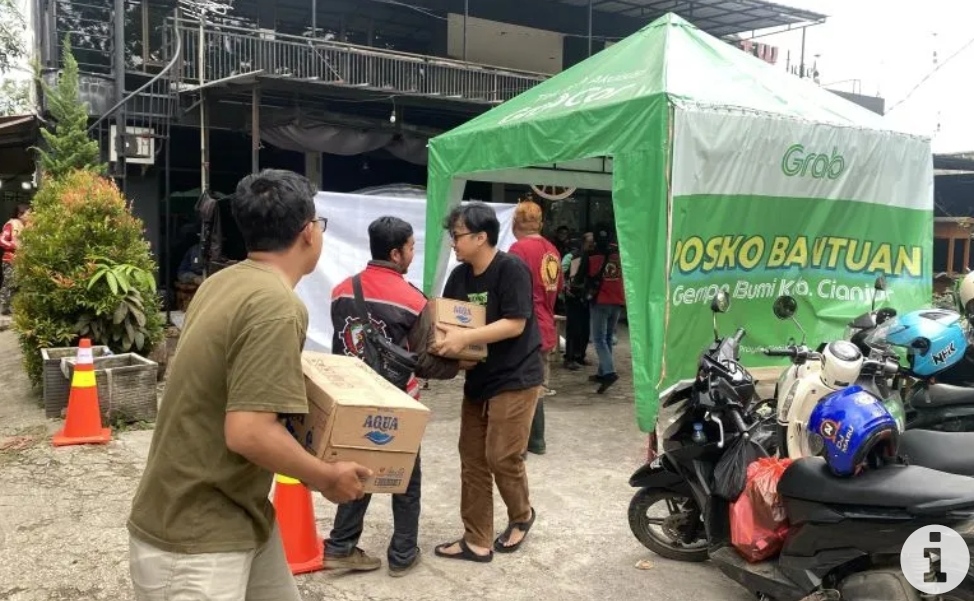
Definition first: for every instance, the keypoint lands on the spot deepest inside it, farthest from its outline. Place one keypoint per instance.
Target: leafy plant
(84, 269)
(128, 318)
(68, 146)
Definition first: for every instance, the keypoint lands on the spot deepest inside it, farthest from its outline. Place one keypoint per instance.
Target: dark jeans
(577, 329)
(350, 518)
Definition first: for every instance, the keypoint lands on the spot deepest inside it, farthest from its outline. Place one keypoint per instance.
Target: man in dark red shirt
(544, 262)
(608, 298)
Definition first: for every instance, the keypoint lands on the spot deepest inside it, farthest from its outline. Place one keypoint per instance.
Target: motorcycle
(683, 527)
(803, 384)
(845, 534)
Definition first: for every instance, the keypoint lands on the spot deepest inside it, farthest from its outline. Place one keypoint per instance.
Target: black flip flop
(524, 527)
(466, 553)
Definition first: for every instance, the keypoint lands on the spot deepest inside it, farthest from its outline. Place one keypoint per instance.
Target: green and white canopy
(725, 172)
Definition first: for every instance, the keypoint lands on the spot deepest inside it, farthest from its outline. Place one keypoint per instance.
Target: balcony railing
(230, 51)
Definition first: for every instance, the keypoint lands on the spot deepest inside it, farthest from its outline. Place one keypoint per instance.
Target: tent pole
(590, 27)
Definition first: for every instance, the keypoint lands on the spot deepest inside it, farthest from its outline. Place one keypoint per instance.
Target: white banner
(346, 249)
(758, 155)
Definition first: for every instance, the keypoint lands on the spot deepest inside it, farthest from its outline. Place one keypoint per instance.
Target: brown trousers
(493, 435)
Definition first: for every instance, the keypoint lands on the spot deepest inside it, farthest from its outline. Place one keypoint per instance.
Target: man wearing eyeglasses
(202, 525)
(500, 393)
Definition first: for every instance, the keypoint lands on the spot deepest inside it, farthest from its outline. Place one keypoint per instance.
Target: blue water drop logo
(379, 438)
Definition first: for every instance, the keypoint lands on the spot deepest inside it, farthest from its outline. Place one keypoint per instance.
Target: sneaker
(399, 571)
(548, 391)
(358, 560)
(607, 382)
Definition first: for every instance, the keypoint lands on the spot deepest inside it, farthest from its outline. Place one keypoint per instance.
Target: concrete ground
(62, 511)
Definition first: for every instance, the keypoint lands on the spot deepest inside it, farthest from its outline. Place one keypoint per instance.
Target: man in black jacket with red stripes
(395, 307)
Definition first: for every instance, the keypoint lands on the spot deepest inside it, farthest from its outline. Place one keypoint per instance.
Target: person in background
(190, 269)
(202, 525)
(500, 393)
(395, 308)
(577, 327)
(544, 263)
(561, 241)
(9, 243)
(607, 297)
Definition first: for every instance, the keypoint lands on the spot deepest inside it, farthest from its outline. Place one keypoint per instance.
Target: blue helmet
(933, 339)
(850, 428)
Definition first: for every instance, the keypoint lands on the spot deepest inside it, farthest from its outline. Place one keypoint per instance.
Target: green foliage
(84, 269)
(68, 146)
(15, 97)
(13, 45)
(121, 321)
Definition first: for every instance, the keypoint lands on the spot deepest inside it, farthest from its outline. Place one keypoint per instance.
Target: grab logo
(935, 559)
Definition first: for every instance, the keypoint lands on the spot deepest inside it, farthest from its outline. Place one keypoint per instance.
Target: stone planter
(56, 388)
(126, 386)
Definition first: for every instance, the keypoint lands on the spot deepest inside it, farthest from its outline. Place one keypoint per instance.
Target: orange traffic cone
(83, 422)
(296, 521)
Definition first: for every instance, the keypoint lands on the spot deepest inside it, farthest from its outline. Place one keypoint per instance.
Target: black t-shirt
(505, 288)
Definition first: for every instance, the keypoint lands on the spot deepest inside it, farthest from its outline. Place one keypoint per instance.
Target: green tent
(725, 172)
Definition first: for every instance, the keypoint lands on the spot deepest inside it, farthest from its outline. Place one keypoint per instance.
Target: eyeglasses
(322, 221)
(457, 235)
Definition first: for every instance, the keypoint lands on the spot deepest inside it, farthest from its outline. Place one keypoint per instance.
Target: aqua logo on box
(462, 314)
(381, 428)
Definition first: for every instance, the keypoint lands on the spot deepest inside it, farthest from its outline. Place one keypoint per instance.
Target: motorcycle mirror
(785, 307)
(878, 286)
(721, 302)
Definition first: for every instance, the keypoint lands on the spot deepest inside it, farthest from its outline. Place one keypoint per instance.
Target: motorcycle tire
(640, 525)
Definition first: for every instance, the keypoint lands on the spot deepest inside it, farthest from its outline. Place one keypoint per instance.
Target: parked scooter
(682, 536)
(845, 534)
(814, 374)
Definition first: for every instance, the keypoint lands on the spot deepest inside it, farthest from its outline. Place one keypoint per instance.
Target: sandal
(524, 527)
(466, 553)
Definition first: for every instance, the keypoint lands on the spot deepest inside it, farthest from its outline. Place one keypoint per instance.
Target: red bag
(757, 517)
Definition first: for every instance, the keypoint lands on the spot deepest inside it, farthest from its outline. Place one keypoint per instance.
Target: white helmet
(841, 363)
(966, 293)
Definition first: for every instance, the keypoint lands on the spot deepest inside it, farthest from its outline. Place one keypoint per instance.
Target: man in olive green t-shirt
(202, 524)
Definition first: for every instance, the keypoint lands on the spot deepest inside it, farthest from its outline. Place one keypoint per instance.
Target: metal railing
(230, 51)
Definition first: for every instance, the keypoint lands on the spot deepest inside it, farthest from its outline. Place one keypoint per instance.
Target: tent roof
(668, 58)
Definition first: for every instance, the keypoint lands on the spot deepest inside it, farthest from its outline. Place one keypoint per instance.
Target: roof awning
(18, 130)
(717, 17)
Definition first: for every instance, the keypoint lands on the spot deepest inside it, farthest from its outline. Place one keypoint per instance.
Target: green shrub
(84, 268)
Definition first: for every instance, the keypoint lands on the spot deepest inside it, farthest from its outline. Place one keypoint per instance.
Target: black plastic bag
(730, 473)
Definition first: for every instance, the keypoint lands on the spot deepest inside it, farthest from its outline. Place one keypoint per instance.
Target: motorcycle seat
(951, 452)
(918, 490)
(943, 395)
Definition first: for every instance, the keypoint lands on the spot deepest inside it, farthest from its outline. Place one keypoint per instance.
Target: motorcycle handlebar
(781, 353)
(739, 335)
(888, 367)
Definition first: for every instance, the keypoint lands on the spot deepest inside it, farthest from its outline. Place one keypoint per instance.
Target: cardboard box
(458, 314)
(354, 414)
